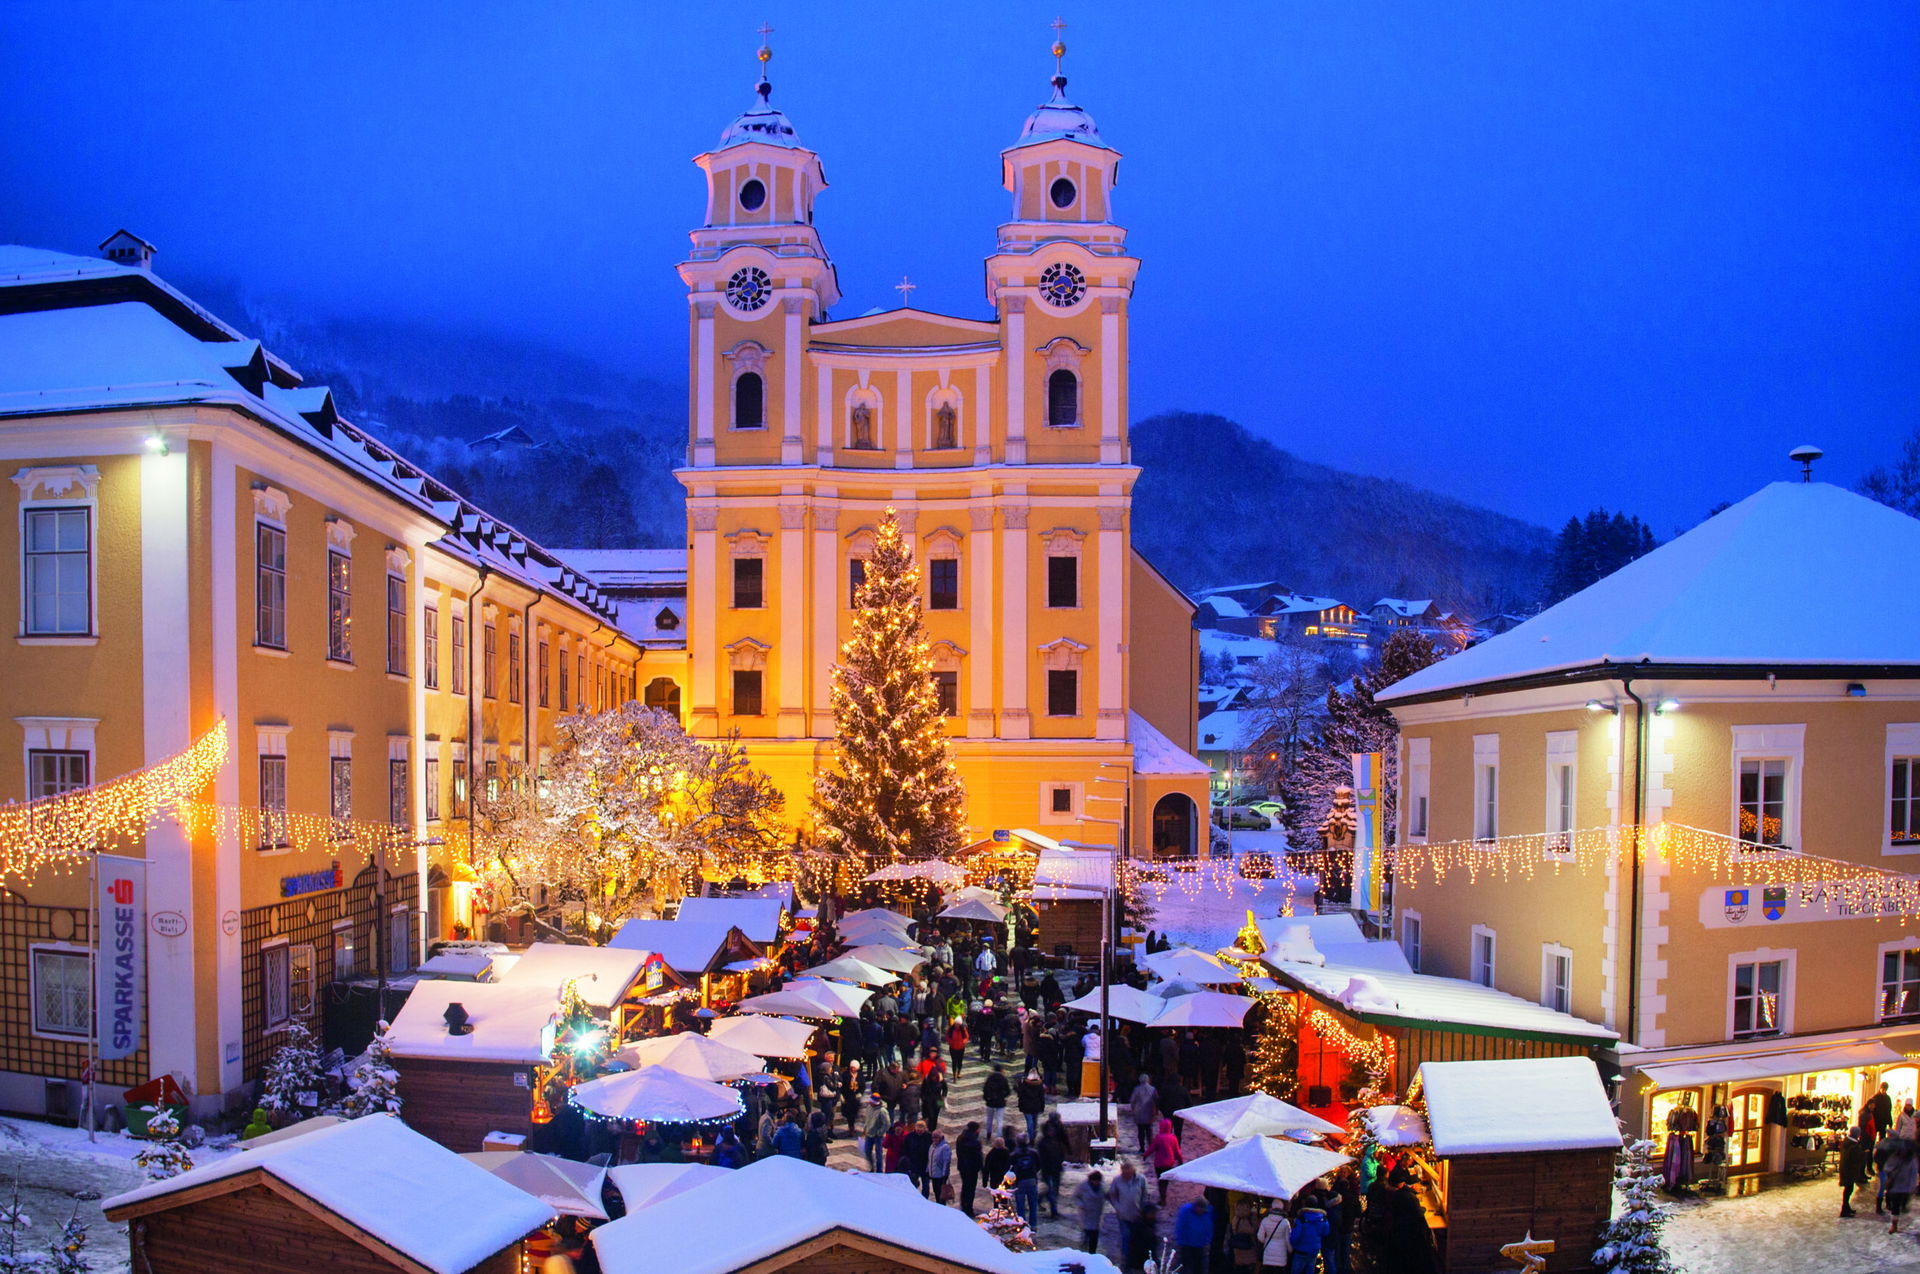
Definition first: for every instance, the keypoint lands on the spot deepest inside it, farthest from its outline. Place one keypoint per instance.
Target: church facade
(1001, 443)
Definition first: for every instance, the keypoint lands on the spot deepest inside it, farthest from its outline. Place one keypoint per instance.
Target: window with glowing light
(339, 607)
(513, 667)
(340, 794)
(489, 656)
(431, 779)
(1763, 801)
(1757, 988)
(544, 675)
(54, 772)
(430, 646)
(273, 802)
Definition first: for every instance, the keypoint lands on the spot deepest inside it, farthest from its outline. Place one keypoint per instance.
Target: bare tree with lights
(629, 810)
(895, 793)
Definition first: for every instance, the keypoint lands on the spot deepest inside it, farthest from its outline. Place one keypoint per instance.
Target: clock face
(1062, 284)
(749, 288)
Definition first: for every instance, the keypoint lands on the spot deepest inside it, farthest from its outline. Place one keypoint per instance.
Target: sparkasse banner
(120, 954)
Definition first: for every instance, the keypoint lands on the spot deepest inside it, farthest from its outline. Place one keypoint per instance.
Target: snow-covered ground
(1794, 1229)
(59, 1171)
(1206, 907)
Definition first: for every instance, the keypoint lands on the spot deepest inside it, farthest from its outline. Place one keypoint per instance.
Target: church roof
(1057, 119)
(1798, 574)
(762, 122)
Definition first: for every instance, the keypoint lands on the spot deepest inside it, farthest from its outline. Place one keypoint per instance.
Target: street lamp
(1108, 918)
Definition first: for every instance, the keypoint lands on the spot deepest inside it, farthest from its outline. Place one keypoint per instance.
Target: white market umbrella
(858, 931)
(792, 1001)
(1257, 1115)
(881, 956)
(643, 1184)
(1174, 989)
(974, 893)
(1193, 965)
(974, 909)
(1392, 1125)
(569, 1188)
(764, 1036)
(1204, 1008)
(657, 1094)
(848, 968)
(880, 914)
(692, 1053)
(933, 869)
(1266, 1166)
(880, 938)
(1129, 1004)
(849, 998)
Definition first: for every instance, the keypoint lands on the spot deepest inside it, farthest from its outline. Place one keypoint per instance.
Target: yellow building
(1749, 696)
(195, 536)
(1000, 440)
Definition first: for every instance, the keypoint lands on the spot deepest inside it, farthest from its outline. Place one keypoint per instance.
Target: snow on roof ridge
(1155, 753)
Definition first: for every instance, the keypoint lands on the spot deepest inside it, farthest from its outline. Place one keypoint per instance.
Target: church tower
(1000, 441)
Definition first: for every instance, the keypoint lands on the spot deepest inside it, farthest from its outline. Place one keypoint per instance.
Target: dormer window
(666, 621)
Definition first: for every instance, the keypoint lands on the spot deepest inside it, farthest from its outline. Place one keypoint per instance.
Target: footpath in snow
(1794, 1229)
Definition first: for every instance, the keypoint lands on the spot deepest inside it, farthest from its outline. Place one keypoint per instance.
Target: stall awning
(1729, 1070)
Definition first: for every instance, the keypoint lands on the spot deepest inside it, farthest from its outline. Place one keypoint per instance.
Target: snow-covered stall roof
(602, 975)
(1420, 999)
(1835, 568)
(1526, 1103)
(386, 1180)
(1155, 753)
(509, 1022)
(688, 946)
(1334, 938)
(791, 1201)
(758, 918)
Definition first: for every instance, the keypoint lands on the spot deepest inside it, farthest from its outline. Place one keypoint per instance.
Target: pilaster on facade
(1112, 358)
(791, 718)
(794, 314)
(1110, 647)
(903, 422)
(982, 424)
(980, 622)
(703, 714)
(1015, 721)
(1016, 346)
(826, 614)
(704, 369)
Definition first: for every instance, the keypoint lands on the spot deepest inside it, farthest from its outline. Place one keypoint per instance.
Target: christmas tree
(1002, 1222)
(291, 1089)
(896, 793)
(1631, 1242)
(66, 1247)
(164, 1156)
(374, 1088)
(13, 1224)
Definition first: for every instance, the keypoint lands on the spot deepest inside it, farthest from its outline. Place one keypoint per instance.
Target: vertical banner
(120, 954)
(1367, 777)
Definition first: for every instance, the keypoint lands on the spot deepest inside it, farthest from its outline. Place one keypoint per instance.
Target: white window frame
(1486, 786)
(1903, 741)
(1561, 815)
(55, 734)
(1477, 972)
(1419, 803)
(66, 950)
(1410, 935)
(1788, 959)
(430, 779)
(353, 953)
(430, 647)
(272, 745)
(339, 600)
(339, 751)
(1551, 954)
(1908, 943)
(1766, 743)
(54, 487)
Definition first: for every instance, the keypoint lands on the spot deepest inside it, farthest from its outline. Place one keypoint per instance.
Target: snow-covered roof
(603, 975)
(509, 1021)
(1334, 938)
(1294, 605)
(1222, 731)
(457, 964)
(758, 918)
(1057, 119)
(1226, 606)
(1071, 869)
(1835, 569)
(630, 566)
(761, 123)
(1155, 753)
(688, 946)
(790, 1201)
(1424, 1000)
(1405, 608)
(387, 1180)
(1527, 1103)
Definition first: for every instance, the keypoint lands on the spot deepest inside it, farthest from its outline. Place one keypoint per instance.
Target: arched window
(749, 401)
(1063, 400)
(863, 429)
(663, 695)
(946, 427)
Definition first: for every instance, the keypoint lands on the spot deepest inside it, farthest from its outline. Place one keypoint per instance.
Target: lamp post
(1109, 919)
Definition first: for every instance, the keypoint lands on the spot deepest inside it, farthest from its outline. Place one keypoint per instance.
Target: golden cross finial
(766, 52)
(905, 288)
(1059, 43)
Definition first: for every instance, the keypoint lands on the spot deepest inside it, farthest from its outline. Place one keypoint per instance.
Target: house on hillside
(1693, 818)
(1326, 618)
(511, 439)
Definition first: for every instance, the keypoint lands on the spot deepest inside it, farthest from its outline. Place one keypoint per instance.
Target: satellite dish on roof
(1805, 454)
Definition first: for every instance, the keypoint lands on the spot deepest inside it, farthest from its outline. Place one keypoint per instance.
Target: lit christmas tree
(67, 1247)
(374, 1088)
(1631, 1242)
(896, 793)
(164, 1157)
(1002, 1222)
(291, 1088)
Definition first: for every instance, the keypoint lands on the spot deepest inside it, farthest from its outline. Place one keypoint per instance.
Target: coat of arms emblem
(1736, 905)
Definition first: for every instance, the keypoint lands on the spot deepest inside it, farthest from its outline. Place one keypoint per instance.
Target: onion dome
(761, 122)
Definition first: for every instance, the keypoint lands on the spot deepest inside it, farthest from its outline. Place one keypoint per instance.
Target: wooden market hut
(366, 1196)
(616, 982)
(713, 955)
(459, 1088)
(760, 919)
(1069, 890)
(1522, 1147)
(807, 1219)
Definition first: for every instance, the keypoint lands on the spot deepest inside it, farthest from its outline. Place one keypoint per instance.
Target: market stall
(1521, 1147)
(616, 982)
(713, 956)
(468, 1054)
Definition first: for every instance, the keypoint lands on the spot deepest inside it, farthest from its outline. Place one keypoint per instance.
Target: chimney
(124, 247)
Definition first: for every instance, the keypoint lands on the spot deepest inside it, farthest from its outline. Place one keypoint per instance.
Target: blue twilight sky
(1538, 255)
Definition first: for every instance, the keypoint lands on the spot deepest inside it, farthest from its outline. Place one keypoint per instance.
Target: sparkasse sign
(120, 958)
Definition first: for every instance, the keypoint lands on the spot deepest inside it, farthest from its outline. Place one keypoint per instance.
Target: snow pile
(1364, 994)
(1155, 753)
(1294, 945)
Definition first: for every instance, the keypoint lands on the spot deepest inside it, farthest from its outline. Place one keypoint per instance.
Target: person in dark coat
(913, 1153)
(933, 1095)
(1053, 1150)
(994, 1093)
(1853, 1167)
(994, 1169)
(1173, 1099)
(1032, 1096)
(1233, 1059)
(969, 1157)
(1050, 991)
(1880, 1112)
(1409, 1240)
